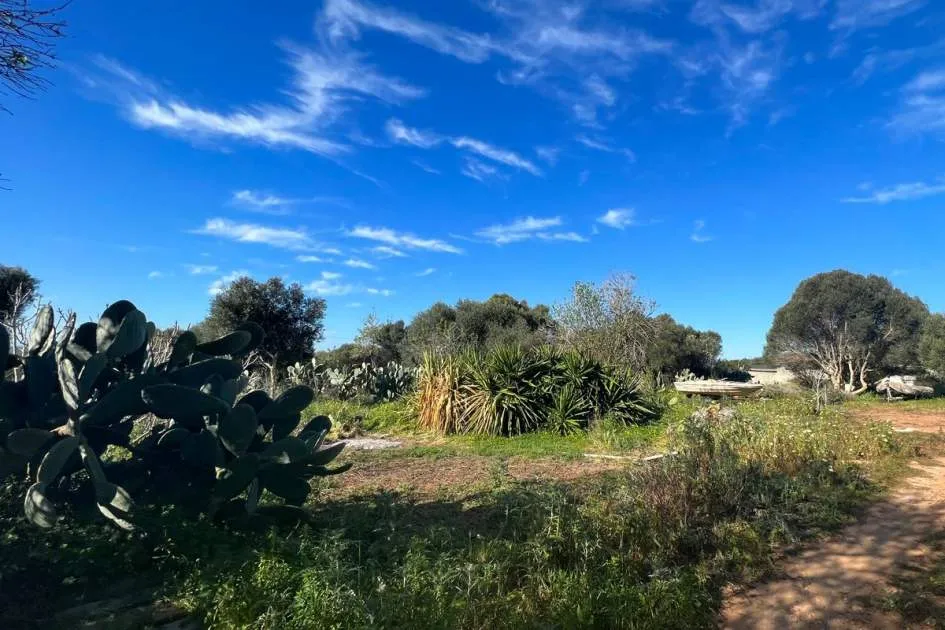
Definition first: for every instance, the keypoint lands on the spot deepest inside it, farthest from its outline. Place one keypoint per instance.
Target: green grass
(651, 546)
(930, 405)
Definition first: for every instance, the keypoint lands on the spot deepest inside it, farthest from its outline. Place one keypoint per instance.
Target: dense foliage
(509, 391)
(81, 394)
(609, 322)
(479, 326)
(932, 345)
(675, 347)
(293, 321)
(848, 326)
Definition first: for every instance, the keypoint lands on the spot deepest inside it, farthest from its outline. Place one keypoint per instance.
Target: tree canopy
(500, 320)
(676, 347)
(19, 289)
(848, 325)
(609, 322)
(932, 344)
(292, 321)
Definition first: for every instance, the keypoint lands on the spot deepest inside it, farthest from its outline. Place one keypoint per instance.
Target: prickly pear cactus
(210, 450)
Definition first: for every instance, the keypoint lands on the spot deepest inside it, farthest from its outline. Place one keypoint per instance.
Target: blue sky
(387, 156)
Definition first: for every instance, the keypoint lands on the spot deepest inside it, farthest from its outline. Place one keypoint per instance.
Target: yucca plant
(569, 411)
(621, 397)
(505, 393)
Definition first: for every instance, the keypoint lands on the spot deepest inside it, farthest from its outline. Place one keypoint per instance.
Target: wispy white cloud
(426, 167)
(381, 292)
(262, 202)
(324, 85)
(929, 81)
(900, 192)
(283, 238)
(698, 232)
(618, 218)
(474, 169)
(308, 258)
(547, 44)
(357, 263)
(548, 154)
(403, 239)
(757, 18)
(200, 270)
(353, 305)
(528, 228)
(220, 284)
(398, 132)
(154, 275)
(600, 144)
(922, 106)
(386, 251)
(328, 285)
(583, 176)
(853, 15)
(429, 271)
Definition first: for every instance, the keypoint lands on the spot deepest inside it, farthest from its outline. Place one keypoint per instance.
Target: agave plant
(84, 392)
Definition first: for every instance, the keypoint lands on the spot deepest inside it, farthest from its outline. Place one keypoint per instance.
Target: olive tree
(608, 322)
(293, 321)
(847, 326)
(932, 345)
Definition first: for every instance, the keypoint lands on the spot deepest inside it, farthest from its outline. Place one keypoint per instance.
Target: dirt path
(838, 584)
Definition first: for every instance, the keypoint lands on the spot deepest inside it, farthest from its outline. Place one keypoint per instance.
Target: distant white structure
(771, 375)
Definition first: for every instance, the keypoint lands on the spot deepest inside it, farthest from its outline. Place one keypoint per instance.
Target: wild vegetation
(543, 475)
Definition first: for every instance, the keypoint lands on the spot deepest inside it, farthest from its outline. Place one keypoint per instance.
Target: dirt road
(840, 583)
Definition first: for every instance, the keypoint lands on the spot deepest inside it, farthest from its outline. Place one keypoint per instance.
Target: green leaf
(109, 324)
(196, 374)
(85, 338)
(131, 335)
(201, 450)
(240, 474)
(174, 401)
(90, 373)
(39, 510)
(284, 426)
(281, 482)
(183, 347)
(40, 379)
(230, 390)
(238, 429)
(257, 335)
(122, 400)
(318, 424)
(92, 464)
(174, 437)
(233, 343)
(286, 450)
(28, 442)
(69, 383)
(115, 503)
(291, 401)
(257, 399)
(56, 459)
(42, 330)
(325, 455)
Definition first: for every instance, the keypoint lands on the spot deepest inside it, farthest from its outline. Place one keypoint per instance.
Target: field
(489, 532)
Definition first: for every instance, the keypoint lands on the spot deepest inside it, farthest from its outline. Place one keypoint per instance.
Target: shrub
(509, 391)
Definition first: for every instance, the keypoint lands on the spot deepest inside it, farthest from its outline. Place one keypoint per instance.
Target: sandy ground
(837, 584)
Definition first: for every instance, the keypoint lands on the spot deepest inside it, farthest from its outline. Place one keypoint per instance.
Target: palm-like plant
(504, 393)
(568, 411)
